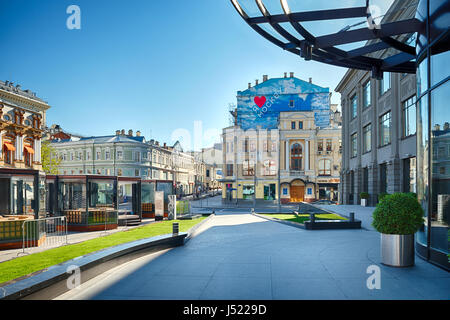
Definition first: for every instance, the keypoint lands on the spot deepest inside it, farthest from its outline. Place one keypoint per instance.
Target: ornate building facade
(22, 116)
(286, 134)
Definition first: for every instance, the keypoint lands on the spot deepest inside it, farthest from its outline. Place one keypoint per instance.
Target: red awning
(29, 149)
(9, 146)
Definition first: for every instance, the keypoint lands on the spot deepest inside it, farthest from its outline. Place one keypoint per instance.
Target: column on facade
(37, 150)
(393, 176)
(358, 185)
(287, 154)
(345, 187)
(307, 155)
(19, 147)
(1, 144)
(373, 184)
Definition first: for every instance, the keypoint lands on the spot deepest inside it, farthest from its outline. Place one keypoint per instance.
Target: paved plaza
(236, 255)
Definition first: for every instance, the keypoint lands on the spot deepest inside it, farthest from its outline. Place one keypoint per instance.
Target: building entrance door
(297, 193)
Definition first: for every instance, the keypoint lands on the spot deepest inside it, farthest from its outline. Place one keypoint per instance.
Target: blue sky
(149, 65)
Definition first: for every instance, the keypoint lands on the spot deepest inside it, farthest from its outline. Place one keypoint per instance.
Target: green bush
(364, 195)
(398, 213)
(412, 194)
(382, 195)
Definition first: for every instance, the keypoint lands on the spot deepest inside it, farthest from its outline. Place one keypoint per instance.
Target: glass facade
(433, 132)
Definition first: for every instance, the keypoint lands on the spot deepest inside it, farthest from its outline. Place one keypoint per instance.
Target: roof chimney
(446, 126)
(18, 86)
(117, 132)
(256, 82)
(437, 127)
(122, 132)
(310, 80)
(130, 133)
(285, 74)
(157, 143)
(138, 133)
(265, 77)
(249, 85)
(291, 75)
(7, 83)
(165, 145)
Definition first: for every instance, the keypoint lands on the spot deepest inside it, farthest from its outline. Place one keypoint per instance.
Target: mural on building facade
(262, 104)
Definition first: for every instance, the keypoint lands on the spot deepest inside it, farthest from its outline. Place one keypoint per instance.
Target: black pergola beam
(374, 47)
(397, 59)
(334, 14)
(363, 34)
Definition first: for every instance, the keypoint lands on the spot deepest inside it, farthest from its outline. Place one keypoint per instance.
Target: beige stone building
(309, 160)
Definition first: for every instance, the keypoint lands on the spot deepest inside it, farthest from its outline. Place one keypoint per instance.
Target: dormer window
(6, 117)
(291, 103)
(27, 122)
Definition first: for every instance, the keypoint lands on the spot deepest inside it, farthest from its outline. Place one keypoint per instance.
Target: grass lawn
(304, 217)
(13, 269)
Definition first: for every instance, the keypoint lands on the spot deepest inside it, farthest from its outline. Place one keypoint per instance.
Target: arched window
(296, 157)
(325, 167)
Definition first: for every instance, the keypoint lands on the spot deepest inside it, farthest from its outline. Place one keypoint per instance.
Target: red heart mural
(260, 101)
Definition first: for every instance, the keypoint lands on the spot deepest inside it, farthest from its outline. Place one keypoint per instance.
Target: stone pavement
(241, 256)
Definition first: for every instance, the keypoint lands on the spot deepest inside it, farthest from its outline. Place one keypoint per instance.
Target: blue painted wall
(278, 93)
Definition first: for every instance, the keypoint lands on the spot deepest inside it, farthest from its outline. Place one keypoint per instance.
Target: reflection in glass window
(325, 167)
(366, 94)
(354, 145)
(385, 84)
(440, 205)
(385, 129)
(367, 138)
(354, 106)
(409, 117)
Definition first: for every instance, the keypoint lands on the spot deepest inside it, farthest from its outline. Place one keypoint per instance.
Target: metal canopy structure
(325, 49)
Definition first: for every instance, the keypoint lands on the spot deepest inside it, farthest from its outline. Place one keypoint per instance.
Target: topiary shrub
(382, 195)
(364, 195)
(398, 213)
(412, 194)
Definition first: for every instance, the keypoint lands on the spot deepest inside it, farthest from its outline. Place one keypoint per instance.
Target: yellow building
(309, 160)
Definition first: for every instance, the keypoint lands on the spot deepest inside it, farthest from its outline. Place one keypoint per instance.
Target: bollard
(312, 217)
(213, 212)
(352, 216)
(175, 228)
(253, 211)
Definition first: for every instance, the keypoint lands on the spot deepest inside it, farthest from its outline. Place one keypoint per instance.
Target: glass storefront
(22, 193)
(433, 132)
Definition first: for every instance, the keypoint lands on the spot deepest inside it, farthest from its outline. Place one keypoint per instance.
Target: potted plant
(364, 198)
(382, 195)
(398, 217)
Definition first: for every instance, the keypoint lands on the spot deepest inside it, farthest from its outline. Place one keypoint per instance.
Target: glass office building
(433, 130)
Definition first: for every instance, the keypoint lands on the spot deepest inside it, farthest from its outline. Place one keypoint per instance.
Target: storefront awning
(29, 149)
(9, 146)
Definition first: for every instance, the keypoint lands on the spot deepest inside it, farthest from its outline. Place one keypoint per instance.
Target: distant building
(120, 154)
(55, 132)
(287, 124)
